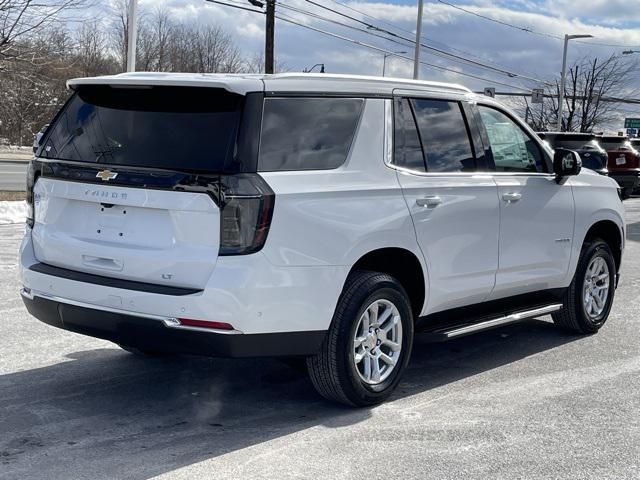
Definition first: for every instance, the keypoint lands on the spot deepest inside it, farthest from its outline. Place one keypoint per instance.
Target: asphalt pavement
(13, 174)
(525, 401)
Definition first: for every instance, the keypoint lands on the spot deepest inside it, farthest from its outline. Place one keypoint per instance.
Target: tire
(574, 315)
(333, 370)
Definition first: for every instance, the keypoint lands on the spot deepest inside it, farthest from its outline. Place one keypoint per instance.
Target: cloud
(537, 56)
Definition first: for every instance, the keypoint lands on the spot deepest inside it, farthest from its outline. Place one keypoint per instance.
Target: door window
(512, 148)
(445, 139)
(408, 151)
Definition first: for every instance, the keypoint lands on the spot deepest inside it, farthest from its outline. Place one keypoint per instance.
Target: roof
(281, 82)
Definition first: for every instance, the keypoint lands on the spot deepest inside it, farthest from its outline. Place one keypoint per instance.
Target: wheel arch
(610, 232)
(404, 266)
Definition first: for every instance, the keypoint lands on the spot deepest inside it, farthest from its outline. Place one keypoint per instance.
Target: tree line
(40, 48)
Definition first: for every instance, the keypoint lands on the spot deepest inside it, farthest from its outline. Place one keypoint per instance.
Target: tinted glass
(614, 143)
(444, 136)
(307, 133)
(513, 150)
(162, 127)
(408, 152)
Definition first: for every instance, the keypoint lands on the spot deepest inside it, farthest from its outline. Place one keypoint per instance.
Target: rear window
(181, 128)
(307, 133)
(614, 143)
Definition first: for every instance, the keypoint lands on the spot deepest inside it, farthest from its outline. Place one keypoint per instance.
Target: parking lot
(525, 401)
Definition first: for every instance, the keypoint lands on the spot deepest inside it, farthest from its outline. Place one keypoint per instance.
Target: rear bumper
(628, 180)
(157, 333)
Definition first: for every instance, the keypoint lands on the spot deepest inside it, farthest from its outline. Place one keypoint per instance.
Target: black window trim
(491, 166)
(309, 95)
(463, 111)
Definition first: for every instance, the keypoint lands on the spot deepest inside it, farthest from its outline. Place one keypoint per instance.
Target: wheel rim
(596, 288)
(377, 342)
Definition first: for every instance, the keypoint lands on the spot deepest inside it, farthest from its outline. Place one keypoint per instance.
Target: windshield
(179, 128)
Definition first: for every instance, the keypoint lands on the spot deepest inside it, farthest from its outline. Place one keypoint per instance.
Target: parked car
(324, 217)
(624, 163)
(593, 156)
(38, 137)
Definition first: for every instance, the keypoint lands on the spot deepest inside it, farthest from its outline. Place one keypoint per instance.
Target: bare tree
(589, 81)
(255, 64)
(21, 19)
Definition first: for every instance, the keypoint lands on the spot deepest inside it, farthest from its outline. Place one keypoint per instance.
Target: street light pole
(132, 35)
(416, 58)
(384, 60)
(563, 76)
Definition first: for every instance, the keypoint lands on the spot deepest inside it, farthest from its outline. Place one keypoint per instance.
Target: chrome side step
(467, 329)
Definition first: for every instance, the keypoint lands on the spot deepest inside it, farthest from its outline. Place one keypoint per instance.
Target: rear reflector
(188, 322)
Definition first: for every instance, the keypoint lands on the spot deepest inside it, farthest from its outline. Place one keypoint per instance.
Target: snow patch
(12, 212)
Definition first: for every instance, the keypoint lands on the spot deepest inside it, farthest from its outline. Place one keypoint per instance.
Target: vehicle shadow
(109, 414)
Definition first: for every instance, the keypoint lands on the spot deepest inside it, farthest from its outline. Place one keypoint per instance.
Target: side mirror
(566, 163)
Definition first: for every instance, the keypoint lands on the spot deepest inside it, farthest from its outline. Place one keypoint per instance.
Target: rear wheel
(587, 302)
(368, 344)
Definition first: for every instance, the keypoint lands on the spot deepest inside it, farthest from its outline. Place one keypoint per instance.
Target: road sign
(632, 123)
(490, 92)
(632, 132)
(537, 95)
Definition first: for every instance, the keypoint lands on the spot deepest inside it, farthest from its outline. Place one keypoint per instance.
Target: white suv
(314, 216)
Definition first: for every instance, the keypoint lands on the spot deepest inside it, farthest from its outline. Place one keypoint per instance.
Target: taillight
(190, 322)
(246, 207)
(31, 170)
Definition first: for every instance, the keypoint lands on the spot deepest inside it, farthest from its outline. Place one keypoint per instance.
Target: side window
(307, 133)
(444, 135)
(407, 148)
(512, 148)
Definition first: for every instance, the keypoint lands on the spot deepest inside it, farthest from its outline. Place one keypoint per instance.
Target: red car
(624, 163)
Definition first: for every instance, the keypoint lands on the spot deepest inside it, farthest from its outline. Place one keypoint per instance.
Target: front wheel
(368, 344)
(587, 302)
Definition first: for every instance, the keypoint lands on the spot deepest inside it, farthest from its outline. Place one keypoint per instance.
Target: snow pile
(12, 212)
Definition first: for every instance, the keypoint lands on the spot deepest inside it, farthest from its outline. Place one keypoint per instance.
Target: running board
(447, 333)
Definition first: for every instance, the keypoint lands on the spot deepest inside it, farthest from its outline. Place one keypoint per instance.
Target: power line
(429, 47)
(373, 47)
(527, 29)
(398, 27)
(288, 19)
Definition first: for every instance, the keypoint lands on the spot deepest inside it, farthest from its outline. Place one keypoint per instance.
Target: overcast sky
(535, 55)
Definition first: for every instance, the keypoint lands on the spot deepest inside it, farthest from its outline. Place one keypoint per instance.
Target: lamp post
(132, 31)
(384, 60)
(564, 75)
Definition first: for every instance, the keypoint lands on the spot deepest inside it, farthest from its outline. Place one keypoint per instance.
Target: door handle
(511, 197)
(429, 202)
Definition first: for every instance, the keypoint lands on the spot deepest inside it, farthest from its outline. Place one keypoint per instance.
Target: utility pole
(269, 36)
(132, 34)
(416, 58)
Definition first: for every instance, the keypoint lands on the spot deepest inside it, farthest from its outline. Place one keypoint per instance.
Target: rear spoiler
(237, 84)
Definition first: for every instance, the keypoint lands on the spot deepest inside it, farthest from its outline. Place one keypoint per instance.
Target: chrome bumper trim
(169, 322)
